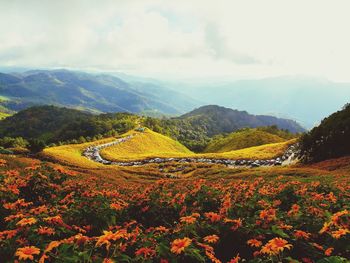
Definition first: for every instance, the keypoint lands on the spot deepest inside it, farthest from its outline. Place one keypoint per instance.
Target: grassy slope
(242, 139)
(3, 115)
(71, 154)
(145, 145)
(151, 144)
(267, 151)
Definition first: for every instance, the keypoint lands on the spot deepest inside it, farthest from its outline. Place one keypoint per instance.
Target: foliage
(36, 145)
(330, 139)
(9, 142)
(57, 125)
(53, 214)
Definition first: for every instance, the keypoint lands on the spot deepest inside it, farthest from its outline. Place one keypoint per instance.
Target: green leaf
(279, 232)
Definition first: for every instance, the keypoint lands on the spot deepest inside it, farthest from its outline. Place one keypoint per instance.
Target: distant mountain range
(305, 99)
(89, 92)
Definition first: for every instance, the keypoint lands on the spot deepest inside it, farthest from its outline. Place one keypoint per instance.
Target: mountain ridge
(92, 92)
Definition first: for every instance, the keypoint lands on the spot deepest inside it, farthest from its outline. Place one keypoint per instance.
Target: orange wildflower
(294, 210)
(275, 246)
(268, 215)
(179, 245)
(46, 231)
(235, 259)
(7, 234)
(26, 221)
(108, 236)
(213, 217)
(108, 260)
(52, 245)
(325, 228)
(254, 243)
(146, 252)
(329, 251)
(336, 217)
(339, 233)
(302, 235)
(2, 162)
(116, 206)
(25, 253)
(188, 219)
(211, 239)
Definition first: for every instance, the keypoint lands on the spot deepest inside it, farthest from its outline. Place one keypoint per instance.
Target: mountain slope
(330, 139)
(218, 120)
(95, 93)
(242, 139)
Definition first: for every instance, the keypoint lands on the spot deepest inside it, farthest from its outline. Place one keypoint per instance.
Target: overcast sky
(205, 38)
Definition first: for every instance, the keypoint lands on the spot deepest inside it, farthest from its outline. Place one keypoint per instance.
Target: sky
(180, 39)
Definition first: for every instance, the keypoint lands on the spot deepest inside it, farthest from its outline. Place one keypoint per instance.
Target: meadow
(53, 213)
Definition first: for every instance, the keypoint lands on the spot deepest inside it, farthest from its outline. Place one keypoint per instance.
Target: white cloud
(183, 38)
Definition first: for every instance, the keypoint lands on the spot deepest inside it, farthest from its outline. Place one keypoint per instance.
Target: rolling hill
(90, 92)
(145, 145)
(149, 144)
(242, 139)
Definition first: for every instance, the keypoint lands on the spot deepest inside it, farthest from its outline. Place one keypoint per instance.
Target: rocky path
(93, 153)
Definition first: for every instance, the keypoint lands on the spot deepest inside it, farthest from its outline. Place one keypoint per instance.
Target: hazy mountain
(306, 100)
(95, 93)
(225, 120)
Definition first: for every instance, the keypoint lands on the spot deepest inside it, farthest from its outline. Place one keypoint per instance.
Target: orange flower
(26, 221)
(236, 223)
(302, 235)
(25, 253)
(211, 239)
(213, 217)
(116, 206)
(161, 229)
(235, 259)
(254, 243)
(146, 252)
(108, 236)
(339, 233)
(329, 251)
(108, 260)
(325, 227)
(2, 162)
(275, 246)
(268, 215)
(188, 219)
(52, 245)
(7, 234)
(294, 210)
(46, 231)
(179, 245)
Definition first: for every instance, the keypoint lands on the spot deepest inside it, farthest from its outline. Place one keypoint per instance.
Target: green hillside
(241, 139)
(330, 139)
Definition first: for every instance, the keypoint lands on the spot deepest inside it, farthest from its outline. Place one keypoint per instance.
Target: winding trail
(93, 153)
